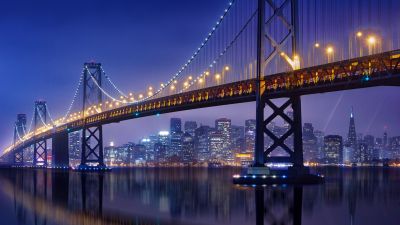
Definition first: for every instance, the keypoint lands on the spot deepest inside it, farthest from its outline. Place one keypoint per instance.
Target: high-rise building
(333, 148)
(190, 127)
(175, 148)
(395, 147)
(75, 145)
(237, 139)
(362, 152)
(175, 125)
(139, 154)
(370, 141)
(223, 126)
(149, 145)
(250, 135)
(320, 143)
(162, 146)
(216, 145)
(201, 143)
(187, 148)
(310, 147)
(352, 135)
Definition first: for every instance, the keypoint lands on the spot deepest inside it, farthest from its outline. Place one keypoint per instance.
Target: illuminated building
(223, 126)
(250, 135)
(333, 149)
(187, 148)
(201, 143)
(310, 148)
(75, 145)
(216, 145)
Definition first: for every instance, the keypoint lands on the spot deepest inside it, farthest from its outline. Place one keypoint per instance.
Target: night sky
(43, 45)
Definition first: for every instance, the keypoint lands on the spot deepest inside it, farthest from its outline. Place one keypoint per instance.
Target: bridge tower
(264, 37)
(19, 132)
(40, 146)
(92, 135)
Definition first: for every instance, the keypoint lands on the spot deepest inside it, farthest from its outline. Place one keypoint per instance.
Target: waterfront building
(320, 144)
(201, 143)
(187, 148)
(395, 147)
(310, 148)
(333, 148)
(249, 135)
(216, 146)
(74, 148)
(175, 148)
(223, 126)
(237, 144)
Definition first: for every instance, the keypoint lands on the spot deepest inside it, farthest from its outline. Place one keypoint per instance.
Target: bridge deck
(375, 70)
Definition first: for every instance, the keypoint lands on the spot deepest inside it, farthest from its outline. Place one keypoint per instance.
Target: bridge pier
(92, 148)
(60, 153)
(19, 157)
(40, 153)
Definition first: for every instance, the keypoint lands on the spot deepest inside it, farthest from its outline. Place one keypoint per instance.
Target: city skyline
(195, 143)
(131, 57)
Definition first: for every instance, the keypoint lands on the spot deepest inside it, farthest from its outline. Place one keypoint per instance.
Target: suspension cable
(74, 98)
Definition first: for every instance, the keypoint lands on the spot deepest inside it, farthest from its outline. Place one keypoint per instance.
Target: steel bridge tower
(19, 132)
(262, 156)
(40, 146)
(92, 135)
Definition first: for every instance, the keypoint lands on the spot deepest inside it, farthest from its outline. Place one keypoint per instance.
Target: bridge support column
(60, 150)
(92, 147)
(19, 157)
(291, 153)
(40, 153)
(294, 155)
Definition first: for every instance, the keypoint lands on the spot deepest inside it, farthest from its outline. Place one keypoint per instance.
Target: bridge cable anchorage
(74, 98)
(112, 83)
(225, 50)
(196, 53)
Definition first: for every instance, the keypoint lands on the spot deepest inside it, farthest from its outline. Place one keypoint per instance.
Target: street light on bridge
(330, 52)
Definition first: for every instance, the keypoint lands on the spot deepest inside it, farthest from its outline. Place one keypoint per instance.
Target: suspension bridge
(257, 50)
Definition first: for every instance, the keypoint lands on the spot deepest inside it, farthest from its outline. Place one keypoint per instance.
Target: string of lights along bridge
(255, 51)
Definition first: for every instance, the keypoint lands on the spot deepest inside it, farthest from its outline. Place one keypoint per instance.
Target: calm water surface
(196, 196)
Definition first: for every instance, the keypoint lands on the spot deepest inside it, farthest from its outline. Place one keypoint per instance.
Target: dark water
(196, 196)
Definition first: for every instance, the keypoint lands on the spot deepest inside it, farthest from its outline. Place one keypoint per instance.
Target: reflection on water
(196, 196)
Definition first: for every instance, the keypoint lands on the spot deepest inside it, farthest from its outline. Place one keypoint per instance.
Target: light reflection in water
(197, 196)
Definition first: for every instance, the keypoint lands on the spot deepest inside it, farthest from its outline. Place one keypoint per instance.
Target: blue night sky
(43, 45)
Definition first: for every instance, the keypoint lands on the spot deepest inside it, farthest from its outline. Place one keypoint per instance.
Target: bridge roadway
(381, 69)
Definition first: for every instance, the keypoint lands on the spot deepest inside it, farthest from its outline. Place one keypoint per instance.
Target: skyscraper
(74, 144)
(187, 148)
(175, 125)
(190, 127)
(175, 149)
(333, 148)
(250, 135)
(161, 147)
(223, 126)
(309, 143)
(216, 145)
(352, 135)
(237, 139)
(201, 143)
